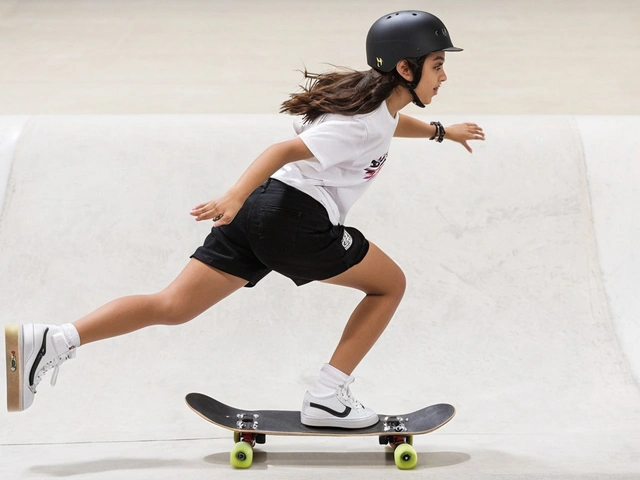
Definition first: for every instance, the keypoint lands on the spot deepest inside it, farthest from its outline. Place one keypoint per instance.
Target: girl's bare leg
(384, 284)
(197, 288)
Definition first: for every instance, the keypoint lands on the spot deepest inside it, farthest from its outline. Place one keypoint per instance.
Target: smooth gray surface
(243, 56)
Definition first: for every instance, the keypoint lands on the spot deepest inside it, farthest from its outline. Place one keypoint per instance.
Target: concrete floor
(118, 116)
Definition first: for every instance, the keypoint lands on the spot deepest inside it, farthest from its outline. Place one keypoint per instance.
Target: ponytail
(346, 92)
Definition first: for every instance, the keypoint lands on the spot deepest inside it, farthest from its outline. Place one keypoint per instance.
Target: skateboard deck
(252, 426)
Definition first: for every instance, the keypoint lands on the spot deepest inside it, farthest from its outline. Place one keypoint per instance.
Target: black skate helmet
(406, 34)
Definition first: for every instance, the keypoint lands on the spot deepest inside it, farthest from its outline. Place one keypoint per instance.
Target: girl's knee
(403, 282)
(392, 283)
(171, 310)
(399, 283)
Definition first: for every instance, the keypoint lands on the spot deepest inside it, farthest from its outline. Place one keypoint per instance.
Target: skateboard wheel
(261, 438)
(241, 455)
(383, 440)
(236, 437)
(405, 456)
(409, 440)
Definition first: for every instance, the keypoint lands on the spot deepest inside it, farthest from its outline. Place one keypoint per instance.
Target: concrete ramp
(11, 127)
(521, 307)
(612, 151)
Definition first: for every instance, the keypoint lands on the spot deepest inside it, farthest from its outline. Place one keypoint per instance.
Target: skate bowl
(521, 307)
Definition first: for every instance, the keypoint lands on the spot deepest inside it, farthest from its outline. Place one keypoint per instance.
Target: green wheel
(236, 437)
(410, 439)
(241, 455)
(405, 456)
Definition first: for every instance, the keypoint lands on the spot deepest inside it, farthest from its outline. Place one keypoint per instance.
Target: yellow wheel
(236, 437)
(405, 456)
(241, 455)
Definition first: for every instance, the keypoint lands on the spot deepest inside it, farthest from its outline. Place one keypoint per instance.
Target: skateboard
(253, 426)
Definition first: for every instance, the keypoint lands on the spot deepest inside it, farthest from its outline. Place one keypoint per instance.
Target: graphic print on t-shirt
(375, 167)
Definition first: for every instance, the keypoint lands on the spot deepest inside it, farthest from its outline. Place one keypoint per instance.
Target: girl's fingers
(203, 215)
(204, 211)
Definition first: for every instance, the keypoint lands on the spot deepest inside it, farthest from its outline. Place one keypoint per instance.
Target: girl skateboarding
(287, 213)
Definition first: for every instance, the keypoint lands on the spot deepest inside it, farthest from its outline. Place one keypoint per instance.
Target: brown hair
(346, 91)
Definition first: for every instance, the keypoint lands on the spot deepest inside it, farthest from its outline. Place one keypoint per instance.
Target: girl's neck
(399, 98)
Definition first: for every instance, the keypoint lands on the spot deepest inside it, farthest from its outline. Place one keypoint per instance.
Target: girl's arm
(410, 127)
(223, 209)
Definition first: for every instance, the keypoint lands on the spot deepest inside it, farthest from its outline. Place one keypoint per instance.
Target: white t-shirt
(348, 153)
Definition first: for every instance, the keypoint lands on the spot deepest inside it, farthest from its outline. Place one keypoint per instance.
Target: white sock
(329, 379)
(71, 335)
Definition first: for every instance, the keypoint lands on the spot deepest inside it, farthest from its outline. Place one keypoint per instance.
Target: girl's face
(432, 77)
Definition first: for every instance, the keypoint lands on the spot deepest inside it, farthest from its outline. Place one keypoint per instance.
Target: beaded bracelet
(440, 132)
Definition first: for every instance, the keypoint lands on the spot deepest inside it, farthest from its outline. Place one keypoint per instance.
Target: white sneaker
(338, 409)
(31, 351)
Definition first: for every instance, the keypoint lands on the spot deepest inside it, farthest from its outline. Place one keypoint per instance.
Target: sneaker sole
(338, 423)
(13, 355)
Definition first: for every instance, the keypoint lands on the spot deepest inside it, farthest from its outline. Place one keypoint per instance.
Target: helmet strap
(416, 101)
(416, 67)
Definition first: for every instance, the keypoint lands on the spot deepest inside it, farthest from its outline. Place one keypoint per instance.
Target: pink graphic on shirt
(375, 167)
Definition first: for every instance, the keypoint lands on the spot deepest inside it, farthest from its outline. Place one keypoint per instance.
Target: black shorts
(282, 229)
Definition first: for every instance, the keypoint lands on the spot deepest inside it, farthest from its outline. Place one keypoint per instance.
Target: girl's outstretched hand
(221, 210)
(464, 132)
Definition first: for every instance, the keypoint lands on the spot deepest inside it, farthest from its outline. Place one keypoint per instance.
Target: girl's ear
(404, 70)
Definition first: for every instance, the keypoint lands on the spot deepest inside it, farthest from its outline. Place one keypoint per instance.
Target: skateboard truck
(248, 421)
(395, 424)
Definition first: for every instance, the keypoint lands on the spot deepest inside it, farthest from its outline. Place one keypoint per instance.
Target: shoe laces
(344, 393)
(55, 364)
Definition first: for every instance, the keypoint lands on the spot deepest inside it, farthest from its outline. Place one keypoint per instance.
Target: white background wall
(520, 258)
